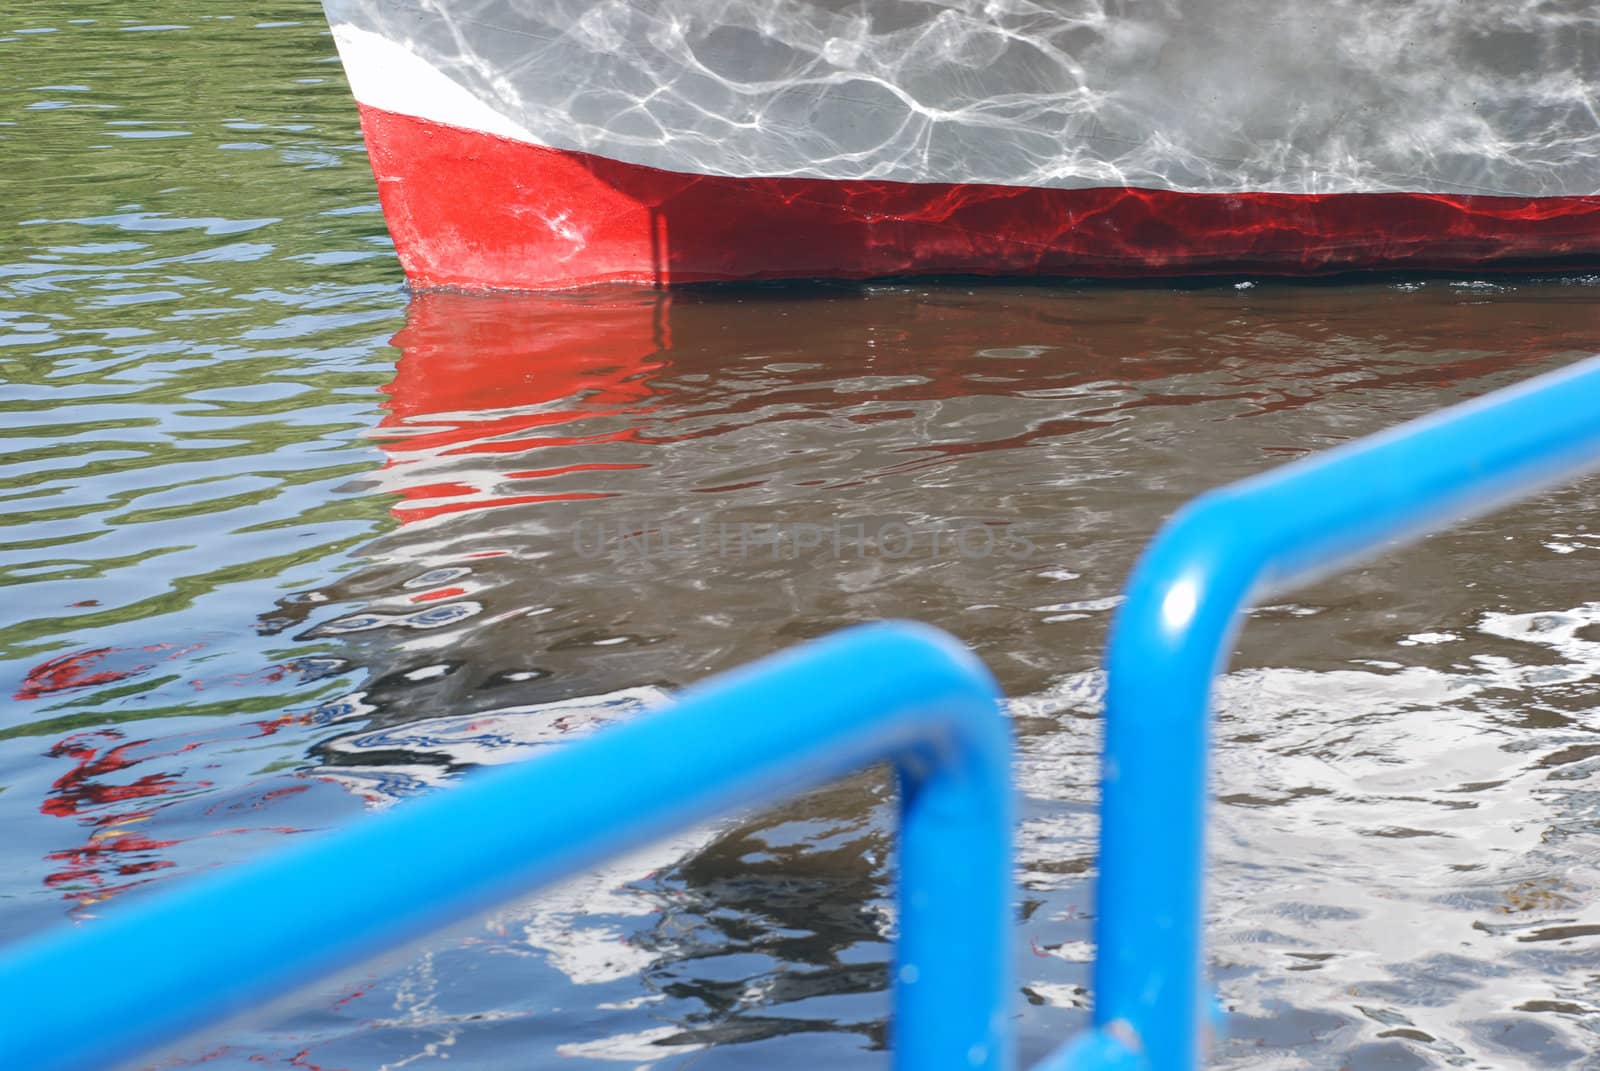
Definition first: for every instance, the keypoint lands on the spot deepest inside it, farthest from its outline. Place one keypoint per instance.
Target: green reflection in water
(196, 292)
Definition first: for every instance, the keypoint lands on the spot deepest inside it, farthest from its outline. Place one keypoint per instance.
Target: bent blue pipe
(208, 950)
(1172, 635)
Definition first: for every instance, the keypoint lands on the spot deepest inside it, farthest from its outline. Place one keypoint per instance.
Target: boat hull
(542, 164)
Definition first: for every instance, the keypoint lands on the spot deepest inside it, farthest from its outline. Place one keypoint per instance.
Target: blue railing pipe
(1172, 635)
(153, 972)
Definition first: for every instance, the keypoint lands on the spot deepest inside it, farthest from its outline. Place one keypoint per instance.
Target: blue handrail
(154, 972)
(1172, 635)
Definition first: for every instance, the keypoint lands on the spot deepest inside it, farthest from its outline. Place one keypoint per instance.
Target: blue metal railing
(1172, 635)
(900, 693)
(148, 975)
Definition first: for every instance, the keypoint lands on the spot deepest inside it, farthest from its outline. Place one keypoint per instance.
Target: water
(267, 570)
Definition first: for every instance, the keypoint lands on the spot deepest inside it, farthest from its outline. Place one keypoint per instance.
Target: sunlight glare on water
(283, 543)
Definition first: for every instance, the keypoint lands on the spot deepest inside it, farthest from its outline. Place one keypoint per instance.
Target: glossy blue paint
(150, 973)
(1172, 635)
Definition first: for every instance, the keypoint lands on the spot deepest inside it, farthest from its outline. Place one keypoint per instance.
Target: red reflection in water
(491, 376)
(101, 665)
(104, 775)
(438, 593)
(483, 380)
(84, 785)
(112, 851)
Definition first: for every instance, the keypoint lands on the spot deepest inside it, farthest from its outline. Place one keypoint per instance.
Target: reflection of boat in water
(552, 458)
(499, 379)
(513, 419)
(477, 632)
(536, 146)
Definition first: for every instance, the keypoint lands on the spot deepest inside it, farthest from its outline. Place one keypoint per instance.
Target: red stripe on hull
(476, 211)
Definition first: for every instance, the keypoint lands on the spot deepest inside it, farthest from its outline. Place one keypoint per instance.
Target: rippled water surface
(282, 543)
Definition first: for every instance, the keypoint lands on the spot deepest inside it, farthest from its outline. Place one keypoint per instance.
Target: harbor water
(283, 543)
